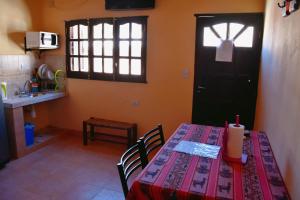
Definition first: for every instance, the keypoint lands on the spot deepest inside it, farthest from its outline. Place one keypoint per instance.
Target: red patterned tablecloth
(174, 175)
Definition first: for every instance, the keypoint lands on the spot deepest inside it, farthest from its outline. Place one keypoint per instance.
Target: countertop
(25, 101)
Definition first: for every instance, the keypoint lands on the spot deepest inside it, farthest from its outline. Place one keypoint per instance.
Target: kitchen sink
(31, 95)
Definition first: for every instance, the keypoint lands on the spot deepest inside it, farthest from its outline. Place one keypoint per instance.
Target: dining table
(182, 176)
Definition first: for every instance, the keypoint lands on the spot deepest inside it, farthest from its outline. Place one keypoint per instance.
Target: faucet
(25, 85)
(25, 91)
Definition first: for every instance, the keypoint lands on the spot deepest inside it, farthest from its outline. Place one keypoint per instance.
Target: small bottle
(34, 87)
(34, 84)
(4, 90)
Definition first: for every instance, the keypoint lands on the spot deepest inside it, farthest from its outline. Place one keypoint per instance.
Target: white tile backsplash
(1, 66)
(16, 70)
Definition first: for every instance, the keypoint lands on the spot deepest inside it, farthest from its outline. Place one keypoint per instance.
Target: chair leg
(123, 179)
(84, 133)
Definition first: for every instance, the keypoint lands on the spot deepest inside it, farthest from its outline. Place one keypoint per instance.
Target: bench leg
(84, 133)
(92, 132)
(128, 138)
(132, 136)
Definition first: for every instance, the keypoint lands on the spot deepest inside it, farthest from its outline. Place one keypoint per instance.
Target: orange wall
(278, 109)
(16, 17)
(42, 115)
(167, 97)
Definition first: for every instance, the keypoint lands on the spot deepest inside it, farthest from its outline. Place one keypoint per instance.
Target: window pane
(108, 48)
(136, 32)
(98, 48)
(74, 64)
(124, 66)
(98, 31)
(124, 48)
(136, 67)
(74, 48)
(221, 29)
(108, 31)
(234, 28)
(108, 65)
(246, 38)
(124, 31)
(74, 32)
(83, 31)
(84, 48)
(136, 48)
(98, 65)
(84, 64)
(210, 39)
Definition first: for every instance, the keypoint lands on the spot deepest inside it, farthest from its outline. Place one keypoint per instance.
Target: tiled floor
(65, 170)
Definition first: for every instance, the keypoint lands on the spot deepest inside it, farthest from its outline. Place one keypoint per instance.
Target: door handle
(201, 88)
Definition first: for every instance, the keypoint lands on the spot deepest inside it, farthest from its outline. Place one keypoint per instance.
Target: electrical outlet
(185, 73)
(135, 103)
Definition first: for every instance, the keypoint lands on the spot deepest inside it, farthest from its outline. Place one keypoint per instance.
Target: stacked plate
(45, 73)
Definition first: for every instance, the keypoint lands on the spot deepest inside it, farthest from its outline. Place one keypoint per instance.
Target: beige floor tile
(109, 195)
(65, 170)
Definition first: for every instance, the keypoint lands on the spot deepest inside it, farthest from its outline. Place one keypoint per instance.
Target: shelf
(39, 50)
(45, 137)
(16, 132)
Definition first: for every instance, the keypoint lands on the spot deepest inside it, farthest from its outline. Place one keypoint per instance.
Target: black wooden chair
(153, 139)
(133, 158)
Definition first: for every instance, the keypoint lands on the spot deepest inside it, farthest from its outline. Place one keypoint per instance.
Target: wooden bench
(89, 126)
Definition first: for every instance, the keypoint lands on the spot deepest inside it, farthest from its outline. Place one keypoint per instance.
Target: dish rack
(49, 80)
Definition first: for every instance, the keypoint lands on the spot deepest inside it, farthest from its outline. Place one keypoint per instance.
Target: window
(107, 49)
(241, 35)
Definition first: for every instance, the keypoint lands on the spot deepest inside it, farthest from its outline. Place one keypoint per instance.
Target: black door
(225, 88)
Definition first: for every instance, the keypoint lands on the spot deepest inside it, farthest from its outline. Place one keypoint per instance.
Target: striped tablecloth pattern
(174, 175)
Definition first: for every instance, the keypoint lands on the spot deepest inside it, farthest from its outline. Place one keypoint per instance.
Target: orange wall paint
(167, 97)
(16, 17)
(42, 115)
(278, 108)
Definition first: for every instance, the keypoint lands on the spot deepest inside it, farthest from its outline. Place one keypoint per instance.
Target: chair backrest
(153, 139)
(131, 160)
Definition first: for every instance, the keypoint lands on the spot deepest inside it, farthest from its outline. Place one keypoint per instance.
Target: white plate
(41, 71)
(50, 75)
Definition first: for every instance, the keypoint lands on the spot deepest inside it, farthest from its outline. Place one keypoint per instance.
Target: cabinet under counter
(15, 114)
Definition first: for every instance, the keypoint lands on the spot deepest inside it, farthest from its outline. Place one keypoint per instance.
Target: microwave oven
(41, 40)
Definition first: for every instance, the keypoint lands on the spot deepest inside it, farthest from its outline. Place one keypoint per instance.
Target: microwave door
(43, 39)
(46, 40)
(54, 39)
